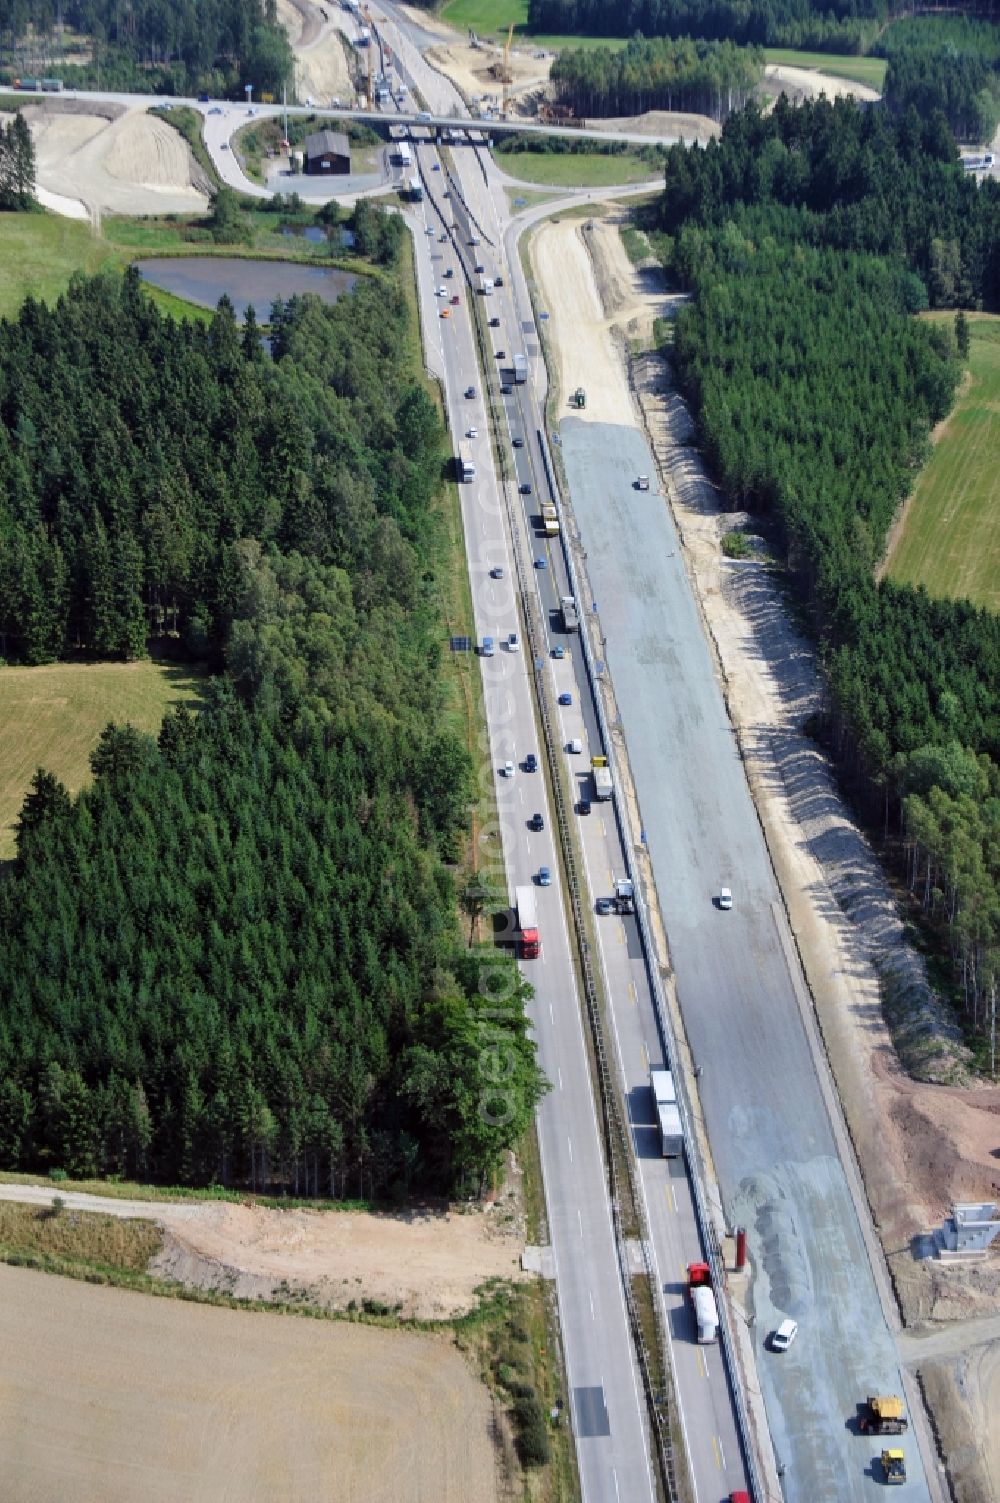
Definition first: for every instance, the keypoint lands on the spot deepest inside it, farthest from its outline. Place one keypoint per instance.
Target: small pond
(204, 279)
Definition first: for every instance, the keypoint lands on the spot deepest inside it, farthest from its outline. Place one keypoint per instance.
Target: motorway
(738, 979)
(708, 1427)
(606, 1409)
(738, 982)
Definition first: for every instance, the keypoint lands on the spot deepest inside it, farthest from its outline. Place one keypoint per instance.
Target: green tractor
(579, 398)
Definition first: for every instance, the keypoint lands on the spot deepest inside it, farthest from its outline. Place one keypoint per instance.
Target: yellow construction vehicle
(894, 1467)
(882, 1414)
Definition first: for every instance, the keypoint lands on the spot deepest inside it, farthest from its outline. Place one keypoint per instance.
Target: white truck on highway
(486, 286)
(520, 369)
(601, 773)
(668, 1117)
(706, 1311)
(570, 614)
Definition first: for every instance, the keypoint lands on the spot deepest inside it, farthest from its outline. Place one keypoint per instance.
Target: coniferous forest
(237, 957)
(179, 48)
(810, 238)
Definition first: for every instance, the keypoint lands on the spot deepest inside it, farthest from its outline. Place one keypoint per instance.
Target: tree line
(831, 26)
(180, 48)
(236, 957)
(809, 239)
(17, 166)
(946, 63)
(711, 78)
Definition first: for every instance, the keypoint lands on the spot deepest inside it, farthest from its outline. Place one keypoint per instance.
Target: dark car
(470, 391)
(536, 823)
(583, 806)
(542, 563)
(480, 270)
(494, 323)
(565, 699)
(525, 489)
(501, 354)
(518, 442)
(605, 905)
(531, 763)
(505, 388)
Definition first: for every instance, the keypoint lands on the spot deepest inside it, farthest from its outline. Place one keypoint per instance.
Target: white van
(575, 747)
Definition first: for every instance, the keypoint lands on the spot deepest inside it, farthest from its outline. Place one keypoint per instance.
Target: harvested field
(52, 716)
(947, 538)
(110, 1397)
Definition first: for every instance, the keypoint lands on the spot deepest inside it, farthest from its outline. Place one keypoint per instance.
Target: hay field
(111, 1397)
(51, 717)
(949, 540)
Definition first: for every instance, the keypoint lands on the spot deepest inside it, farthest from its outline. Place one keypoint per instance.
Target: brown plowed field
(113, 1397)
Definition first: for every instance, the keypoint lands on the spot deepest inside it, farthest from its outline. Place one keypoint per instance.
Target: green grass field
(950, 541)
(485, 16)
(577, 170)
(865, 70)
(490, 17)
(52, 716)
(40, 252)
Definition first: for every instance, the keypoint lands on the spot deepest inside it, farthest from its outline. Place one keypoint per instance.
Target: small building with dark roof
(327, 151)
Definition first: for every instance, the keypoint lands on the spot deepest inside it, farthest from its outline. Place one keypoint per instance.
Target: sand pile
(134, 164)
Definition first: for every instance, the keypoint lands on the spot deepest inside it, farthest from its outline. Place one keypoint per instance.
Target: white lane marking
(570, 1144)
(614, 1475)
(559, 1073)
(579, 1217)
(593, 1313)
(722, 1454)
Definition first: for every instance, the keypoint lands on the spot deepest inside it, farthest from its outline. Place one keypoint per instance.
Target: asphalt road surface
(771, 1138)
(605, 1401)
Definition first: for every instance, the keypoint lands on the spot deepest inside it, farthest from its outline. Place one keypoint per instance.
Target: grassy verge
(581, 169)
(52, 716)
(87, 1241)
(464, 710)
(863, 70)
(637, 247)
(949, 541)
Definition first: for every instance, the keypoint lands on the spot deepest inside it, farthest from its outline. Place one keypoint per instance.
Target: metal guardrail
(668, 1039)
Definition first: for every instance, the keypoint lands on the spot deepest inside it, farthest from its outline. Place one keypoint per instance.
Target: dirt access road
(921, 1145)
(111, 1397)
(427, 1263)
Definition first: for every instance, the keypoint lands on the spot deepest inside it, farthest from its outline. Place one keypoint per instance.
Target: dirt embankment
(921, 1145)
(475, 71)
(321, 71)
(114, 160)
(808, 83)
(426, 1263)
